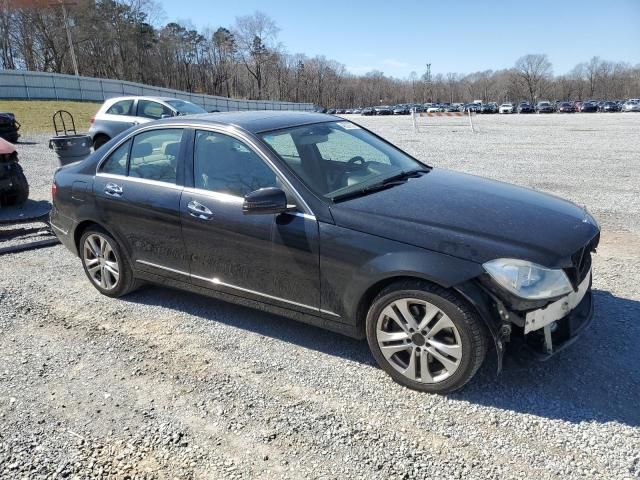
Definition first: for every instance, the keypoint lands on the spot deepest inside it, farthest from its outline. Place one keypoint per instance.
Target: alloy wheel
(101, 261)
(419, 340)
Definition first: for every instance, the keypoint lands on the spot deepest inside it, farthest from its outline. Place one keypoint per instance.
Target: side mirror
(268, 200)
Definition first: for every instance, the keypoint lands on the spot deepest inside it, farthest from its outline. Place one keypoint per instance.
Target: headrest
(142, 149)
(172, 149)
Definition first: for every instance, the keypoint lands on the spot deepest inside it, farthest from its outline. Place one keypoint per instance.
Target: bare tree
(256, 35)
(533, 71)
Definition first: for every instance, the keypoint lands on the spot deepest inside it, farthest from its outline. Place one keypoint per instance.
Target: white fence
(21, 84)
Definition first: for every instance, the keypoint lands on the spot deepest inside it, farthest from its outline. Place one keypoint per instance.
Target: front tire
(425, 337)
(105, 264)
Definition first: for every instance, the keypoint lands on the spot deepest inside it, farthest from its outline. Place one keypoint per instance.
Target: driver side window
(226, 165)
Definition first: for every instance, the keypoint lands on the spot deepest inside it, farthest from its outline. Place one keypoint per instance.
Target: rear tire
(105, 263)
(432, 340)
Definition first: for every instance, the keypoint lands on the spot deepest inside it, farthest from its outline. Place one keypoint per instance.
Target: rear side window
(116, 164)
(155, 110)
(154, 155)
(123, 107)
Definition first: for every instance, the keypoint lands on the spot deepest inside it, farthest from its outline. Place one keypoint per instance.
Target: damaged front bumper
(532, 332)
(556, 336)
(548, 330)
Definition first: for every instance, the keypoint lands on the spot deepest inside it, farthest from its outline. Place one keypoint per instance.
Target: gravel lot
(165, 384)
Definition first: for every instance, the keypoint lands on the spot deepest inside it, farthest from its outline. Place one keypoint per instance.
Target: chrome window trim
(145, 181)
(217, 281)
(219, 196)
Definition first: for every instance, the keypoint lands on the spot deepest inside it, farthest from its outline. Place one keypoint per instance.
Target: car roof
(143, 97)
(256, 121)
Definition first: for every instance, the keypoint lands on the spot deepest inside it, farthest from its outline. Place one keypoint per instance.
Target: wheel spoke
(448, 365)
(410, 371)
(113, 266)
(403, 307)
(430, 312)
(390, 313)
(94, 269)
(425, 373)
(391, 350)
(112, 271)
(392, 336)
(103, 247)
(91, 262)
(103, 281)
(93, 246)
(454, 351)
(443, 322)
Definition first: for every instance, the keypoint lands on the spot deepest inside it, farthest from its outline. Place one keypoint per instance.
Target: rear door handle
(196, 209)
(113, 190)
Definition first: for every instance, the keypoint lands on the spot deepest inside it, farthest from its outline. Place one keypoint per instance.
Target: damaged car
(318, 219)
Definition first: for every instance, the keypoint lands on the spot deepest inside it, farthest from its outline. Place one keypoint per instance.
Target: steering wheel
(356, 163)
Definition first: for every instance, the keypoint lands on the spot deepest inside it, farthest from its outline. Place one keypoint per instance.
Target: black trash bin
(68, 144)
(70, 148)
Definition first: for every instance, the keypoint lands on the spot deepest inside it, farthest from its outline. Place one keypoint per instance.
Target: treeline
(121, 39)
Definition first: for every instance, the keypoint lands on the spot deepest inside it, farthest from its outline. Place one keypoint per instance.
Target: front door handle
(113, 190)
(196, 209)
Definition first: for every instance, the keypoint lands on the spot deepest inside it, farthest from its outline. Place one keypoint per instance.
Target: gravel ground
(165, 384)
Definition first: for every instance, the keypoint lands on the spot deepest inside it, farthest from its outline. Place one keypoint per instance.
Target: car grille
(581, 262)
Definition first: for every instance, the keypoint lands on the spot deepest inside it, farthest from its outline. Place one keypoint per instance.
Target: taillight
(54, 188)
(91, 120)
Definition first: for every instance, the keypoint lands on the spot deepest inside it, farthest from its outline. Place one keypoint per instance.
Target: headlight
(528, 280)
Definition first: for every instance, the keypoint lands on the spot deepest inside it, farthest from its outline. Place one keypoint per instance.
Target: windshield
(337, 158)
(185, 108)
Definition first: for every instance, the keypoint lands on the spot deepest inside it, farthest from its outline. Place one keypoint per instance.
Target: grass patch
(35, 115)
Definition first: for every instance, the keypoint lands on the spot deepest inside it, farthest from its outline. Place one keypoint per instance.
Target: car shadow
(595, 379)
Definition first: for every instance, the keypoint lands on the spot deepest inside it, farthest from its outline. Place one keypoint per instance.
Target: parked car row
(544, 106)
(588, 106)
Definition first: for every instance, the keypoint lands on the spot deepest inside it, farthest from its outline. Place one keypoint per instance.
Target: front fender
(354, 264)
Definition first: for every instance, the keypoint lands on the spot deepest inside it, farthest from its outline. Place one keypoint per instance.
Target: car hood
(472, 218)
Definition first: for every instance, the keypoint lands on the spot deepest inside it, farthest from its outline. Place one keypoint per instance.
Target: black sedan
(565, 107)
(368, 111)
(383, 110)
(526, 107)
(589, 107)
(609, 107)
(318, 219)
(544, 107)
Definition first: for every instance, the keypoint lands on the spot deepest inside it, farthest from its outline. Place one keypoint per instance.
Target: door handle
(113, 189)
(196, 209)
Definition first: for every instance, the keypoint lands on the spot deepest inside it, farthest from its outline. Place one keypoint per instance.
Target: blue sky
(462, 36)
